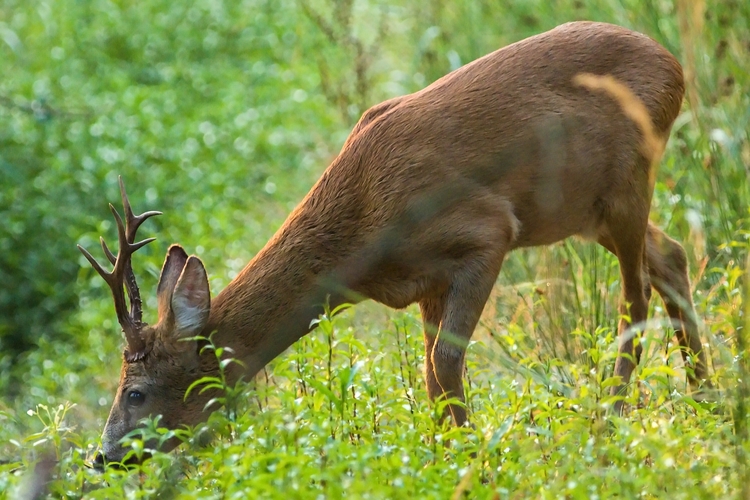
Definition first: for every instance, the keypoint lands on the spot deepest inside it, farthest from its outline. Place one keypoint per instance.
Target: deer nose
(99, 461)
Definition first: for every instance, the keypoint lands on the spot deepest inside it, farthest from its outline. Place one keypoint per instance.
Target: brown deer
(427, 196)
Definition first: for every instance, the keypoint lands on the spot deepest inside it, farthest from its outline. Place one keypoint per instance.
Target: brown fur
(430, 192)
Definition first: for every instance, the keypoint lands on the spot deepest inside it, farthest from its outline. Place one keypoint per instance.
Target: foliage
(222, 115)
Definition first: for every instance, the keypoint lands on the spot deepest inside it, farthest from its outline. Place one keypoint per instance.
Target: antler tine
(110, 256)
(132, 221)
(128, 236)
(97, 267)
(121, 277)
(114, 281)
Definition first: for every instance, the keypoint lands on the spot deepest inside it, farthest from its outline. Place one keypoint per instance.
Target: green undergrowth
(338, 418)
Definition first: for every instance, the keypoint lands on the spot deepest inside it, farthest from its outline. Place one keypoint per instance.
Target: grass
(340, 417)
(344, 413)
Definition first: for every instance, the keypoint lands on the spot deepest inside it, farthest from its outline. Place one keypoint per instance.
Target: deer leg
(627, 239)
(668, 269)
(668, 274)
(432, 312)
(464, 302)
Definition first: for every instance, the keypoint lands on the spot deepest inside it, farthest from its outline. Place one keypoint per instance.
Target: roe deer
(428, 194)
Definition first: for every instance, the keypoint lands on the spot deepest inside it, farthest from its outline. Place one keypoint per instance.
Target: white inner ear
(189, 317)
(191, 300)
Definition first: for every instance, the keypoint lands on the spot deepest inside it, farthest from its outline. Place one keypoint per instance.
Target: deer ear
(191, 299)
(174, 263)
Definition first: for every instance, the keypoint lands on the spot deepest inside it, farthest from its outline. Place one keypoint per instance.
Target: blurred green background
(222, 114)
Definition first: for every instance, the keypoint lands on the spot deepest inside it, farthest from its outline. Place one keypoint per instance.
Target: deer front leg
(432, 312)
(463, 306)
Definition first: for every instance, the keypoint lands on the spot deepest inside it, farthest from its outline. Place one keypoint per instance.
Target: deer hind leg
(668, 274)
(625, 237)
(668, 269)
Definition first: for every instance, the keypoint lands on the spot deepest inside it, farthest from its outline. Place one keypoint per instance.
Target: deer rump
(506, 147)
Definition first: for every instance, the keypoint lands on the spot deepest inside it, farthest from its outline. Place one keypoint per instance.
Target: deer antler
(122, 276)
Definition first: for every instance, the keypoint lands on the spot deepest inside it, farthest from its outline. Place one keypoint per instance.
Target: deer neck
(272, 302)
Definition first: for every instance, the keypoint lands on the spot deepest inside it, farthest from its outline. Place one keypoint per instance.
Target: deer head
(160, 362)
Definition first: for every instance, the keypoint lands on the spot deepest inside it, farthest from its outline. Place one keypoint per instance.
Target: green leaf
(202, 381)
(322, 388)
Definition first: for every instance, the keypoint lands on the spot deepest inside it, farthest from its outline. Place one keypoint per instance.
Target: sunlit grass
(345, 414)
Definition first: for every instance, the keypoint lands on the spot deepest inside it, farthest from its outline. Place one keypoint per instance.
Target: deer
(427, 196)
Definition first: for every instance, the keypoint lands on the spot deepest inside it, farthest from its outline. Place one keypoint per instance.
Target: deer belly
(545, 228)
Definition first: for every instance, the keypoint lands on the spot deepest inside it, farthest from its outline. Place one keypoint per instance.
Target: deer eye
(135, 398)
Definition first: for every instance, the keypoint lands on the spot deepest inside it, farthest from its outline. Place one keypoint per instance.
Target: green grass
(222, 115)
(360, 426)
